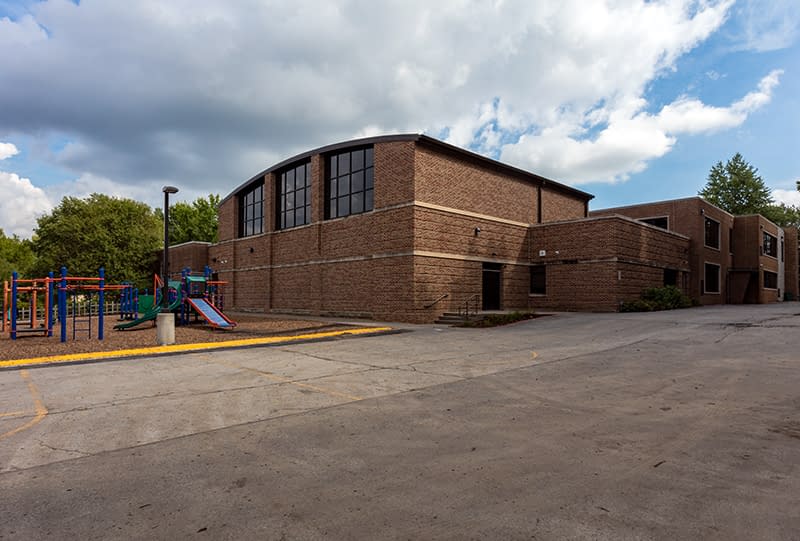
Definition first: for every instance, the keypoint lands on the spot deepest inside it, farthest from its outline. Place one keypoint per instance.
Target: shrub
(636, 306)
(658, 298)
(493, 320)
(666, 298)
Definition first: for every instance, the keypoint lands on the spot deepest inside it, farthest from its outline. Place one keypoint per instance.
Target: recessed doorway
(492, 279)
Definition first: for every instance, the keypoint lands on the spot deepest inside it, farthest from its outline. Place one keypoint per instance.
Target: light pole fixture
(165, 272)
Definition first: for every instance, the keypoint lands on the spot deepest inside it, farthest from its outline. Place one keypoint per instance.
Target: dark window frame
(538, 276)
(708, 221)
(706, 288)
(251, 210)
(293, 196)
(769, 245)
(654, 219)
(350, 182)
(773, 279)
(670, 277)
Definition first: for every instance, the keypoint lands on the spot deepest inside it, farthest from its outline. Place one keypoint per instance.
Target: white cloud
(789, 197)
(630, 139)
(7, 150)
(766, 25)
(204, 94)
(21, 204)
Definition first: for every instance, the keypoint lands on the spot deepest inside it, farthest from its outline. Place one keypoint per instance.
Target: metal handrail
(463, 310)
(442, 297)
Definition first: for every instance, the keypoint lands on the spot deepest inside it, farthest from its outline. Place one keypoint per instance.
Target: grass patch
(495, 320)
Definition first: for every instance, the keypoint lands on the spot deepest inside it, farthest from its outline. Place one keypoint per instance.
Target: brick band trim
(486, 217)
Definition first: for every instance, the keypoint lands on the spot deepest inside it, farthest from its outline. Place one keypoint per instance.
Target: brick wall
(452, 233)
(228, 215)
(596, 263)
(557, 206)
(189, 254)
(394, 173)
(457, 182)
(687, 217)
(749, 262)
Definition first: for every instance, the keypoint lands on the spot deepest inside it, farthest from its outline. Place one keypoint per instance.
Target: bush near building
(658, 298)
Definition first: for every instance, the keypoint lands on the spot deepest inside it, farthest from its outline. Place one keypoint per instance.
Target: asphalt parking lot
(671, 425)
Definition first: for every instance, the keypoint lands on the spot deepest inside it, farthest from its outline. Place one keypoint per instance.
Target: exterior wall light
(477, 231)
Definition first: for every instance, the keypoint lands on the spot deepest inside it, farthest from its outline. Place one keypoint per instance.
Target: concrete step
(454, 318)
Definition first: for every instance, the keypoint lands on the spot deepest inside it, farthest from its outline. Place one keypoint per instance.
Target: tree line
(122, 235)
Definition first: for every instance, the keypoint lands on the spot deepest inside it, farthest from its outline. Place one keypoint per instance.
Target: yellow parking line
(179, 348)
(41, 411)
(13, 413)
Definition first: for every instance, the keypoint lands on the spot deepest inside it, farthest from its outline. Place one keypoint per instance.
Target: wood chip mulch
(248, 326)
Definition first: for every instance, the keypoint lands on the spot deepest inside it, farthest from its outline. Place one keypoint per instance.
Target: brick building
(407, 227)
(732, 259)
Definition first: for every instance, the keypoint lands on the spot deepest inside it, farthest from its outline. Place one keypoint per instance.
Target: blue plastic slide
(211, 314)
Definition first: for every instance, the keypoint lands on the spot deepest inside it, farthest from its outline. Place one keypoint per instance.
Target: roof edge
(321, 150)
(416, 137)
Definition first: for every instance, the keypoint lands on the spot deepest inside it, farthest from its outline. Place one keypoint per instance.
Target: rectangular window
(661, 221)
(711, 278)
(670, 277)
(293, 205)
(770, 245)
(730, 240)
(251, 210)
(350, 183)
(539, 280)
(712, 233)
(770, 280)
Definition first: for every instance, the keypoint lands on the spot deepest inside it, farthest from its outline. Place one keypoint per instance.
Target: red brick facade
(448, 226)
(598, 263)
(736, 252)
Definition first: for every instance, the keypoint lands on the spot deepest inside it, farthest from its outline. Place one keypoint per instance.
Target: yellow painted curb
(180, 348)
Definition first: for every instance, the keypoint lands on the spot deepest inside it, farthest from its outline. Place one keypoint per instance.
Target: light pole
(165, 273)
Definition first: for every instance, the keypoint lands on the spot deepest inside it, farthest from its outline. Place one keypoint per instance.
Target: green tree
(15, 255)
(121, 235)
(737, 187)
(783, 215)
(193, 221)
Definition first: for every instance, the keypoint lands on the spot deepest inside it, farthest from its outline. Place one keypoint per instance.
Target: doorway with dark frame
(492, 280)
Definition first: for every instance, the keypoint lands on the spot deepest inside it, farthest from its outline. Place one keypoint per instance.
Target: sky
(630, 100)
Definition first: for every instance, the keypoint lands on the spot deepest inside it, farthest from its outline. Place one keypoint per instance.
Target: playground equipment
(174, 302)
(194, 294)
(57, 292)
(34, 289)
(204, 297)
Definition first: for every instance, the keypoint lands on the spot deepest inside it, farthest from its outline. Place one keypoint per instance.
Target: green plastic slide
(149, 315)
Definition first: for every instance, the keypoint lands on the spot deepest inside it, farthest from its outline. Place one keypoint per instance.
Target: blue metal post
(100, 300)
(14, 277)
(62, 304)
(184, 317)
(50, 300)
